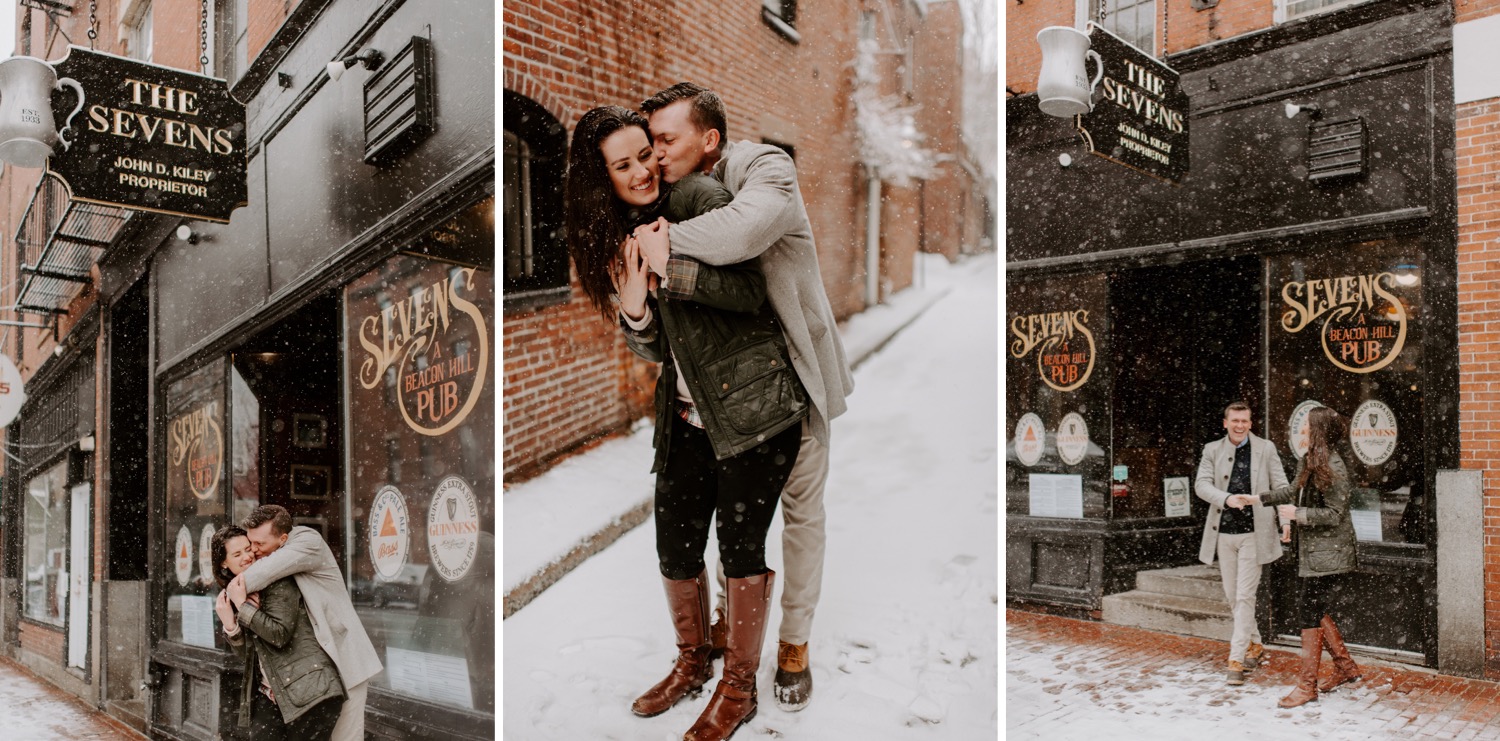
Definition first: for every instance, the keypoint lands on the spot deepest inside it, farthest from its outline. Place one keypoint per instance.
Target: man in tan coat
(766, 221)
(300, 552)
(1242, 535)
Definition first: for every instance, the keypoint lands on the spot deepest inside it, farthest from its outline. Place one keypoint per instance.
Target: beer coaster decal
(1073, 439)
(205, 555)
(390, 532)
(453, 528)
(1372, 433)
(182, 553)
(1296, 426)
(1031, 439)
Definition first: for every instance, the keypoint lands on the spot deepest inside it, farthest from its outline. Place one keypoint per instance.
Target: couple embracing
(286, 612)
(702, 253)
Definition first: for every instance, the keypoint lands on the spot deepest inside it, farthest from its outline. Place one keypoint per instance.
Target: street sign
(153, 138)
(1140, 116)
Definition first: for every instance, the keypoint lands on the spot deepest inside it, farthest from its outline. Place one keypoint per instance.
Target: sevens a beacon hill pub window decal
(195, 440)
(426, 328)
(1361, 320)
(1062, 343)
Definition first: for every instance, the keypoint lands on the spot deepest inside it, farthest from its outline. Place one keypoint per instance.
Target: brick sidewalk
(1069, 678)
(33, 710)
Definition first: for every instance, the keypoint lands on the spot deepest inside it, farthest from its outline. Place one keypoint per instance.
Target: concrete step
(1198, 581)
(1169, 613)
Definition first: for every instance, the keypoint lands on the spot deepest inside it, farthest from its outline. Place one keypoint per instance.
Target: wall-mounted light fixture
(369, 58)
(185, 233)
(1313, 110)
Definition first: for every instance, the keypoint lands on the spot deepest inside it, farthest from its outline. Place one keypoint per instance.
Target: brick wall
(568, 378)
(1477, 153)
(1023, 58)
(1185, 28)
(940, 93)
(43, 641)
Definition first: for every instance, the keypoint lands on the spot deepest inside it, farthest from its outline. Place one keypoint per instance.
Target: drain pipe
(872, 241)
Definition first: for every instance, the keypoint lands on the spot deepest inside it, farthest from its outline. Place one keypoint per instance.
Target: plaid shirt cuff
(682, 278)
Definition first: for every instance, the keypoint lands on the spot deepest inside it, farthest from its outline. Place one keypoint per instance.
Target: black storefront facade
(1307, 257)
(328, 349)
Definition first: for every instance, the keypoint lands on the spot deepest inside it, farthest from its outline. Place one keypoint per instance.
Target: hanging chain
(93, 22)
(203, 39)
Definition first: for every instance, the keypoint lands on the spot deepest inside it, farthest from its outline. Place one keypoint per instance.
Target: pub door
(1344, 330)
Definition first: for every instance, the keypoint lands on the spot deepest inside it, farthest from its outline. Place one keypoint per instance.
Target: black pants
(314, 725)
(743, 489)
(1317, 593)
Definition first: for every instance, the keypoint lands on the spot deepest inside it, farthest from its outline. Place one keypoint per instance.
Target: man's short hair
(707, 109)
(1236, 406)
(280, 519)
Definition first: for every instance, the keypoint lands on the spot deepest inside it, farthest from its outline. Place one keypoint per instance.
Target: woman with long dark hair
(1317, 501)
(728, 403)
(291, 688)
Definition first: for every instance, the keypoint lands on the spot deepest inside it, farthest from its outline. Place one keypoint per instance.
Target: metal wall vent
(399, 108)
(1336, 149)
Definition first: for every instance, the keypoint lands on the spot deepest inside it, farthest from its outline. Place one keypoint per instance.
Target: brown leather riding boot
(734, 702)
(1307, 675)
(688, 601)
(1344, 668)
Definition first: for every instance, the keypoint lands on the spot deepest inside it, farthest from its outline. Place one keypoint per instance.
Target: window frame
(137, 29)
(781, 16)
(543, 152)
(1087, 11)
(60, 467)
(1280, 14)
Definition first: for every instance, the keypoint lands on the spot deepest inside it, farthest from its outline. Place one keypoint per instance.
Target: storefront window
(46, 545)
(1346, 332)
(1057, 390)
(194, 464)
(422, 475)
(245, 460)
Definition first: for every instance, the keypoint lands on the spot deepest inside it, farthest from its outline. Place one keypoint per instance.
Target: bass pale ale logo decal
(1063, 344)
(436, 397)
(1363, 323)
(195, 439)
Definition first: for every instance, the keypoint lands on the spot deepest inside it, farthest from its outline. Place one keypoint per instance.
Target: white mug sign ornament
(28, 133)
(1064, 86)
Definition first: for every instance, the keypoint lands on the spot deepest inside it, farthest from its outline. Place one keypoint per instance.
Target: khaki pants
(351, 725)
(802, 541)
(1240, 570)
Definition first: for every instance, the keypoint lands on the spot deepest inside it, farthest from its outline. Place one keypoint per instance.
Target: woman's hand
(632, 279)
(225, 612)
(236, 590)
(1288, 512)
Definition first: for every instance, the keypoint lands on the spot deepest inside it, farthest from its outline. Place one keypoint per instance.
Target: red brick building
(1260, 216)
(786, 78)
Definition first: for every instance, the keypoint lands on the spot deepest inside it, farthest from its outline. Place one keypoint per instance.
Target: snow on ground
(544, 519)
(904, 643)
(34, 711)
(1051, 695)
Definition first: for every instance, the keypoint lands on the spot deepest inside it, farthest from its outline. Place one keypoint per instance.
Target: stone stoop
(1187, 600)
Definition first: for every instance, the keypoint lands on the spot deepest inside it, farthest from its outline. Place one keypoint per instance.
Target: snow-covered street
(904, 644)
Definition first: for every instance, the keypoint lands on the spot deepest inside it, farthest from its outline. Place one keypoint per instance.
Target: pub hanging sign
(152, 138)
(1139, 118)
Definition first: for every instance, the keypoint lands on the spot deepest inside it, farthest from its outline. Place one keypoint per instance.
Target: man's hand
(655, 245)
(1288, 512)
(1238, 501)
(236, 590)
